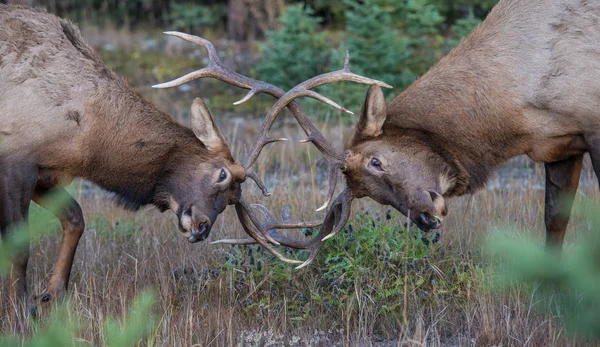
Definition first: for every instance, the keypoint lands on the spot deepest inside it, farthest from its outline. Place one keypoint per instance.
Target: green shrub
(377, 50)
(296, 52)
(191, 18)
(392, 41)
(61, 327)
(374, 258)
(462, 28)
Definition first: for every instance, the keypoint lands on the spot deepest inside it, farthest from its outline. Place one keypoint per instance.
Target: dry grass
(205, 298)
(201, 302)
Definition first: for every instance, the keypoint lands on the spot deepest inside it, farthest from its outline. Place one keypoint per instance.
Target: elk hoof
(46, 297)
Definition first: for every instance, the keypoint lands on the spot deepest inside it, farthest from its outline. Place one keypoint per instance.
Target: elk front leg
(595, 156)
(562, 180)
(17, 181)
(71, 218)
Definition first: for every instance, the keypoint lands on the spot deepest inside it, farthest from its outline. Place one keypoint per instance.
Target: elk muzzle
(199, 233)
(431, 216)
(193, 224)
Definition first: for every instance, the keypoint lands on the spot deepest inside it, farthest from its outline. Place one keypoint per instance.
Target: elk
(526, 81)
(64, 114)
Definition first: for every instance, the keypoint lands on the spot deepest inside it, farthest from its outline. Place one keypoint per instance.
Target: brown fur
(525, 81)
(64, 114)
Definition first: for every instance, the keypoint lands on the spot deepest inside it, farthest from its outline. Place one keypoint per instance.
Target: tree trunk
(21, 2)
(237, 20)
(251, 19)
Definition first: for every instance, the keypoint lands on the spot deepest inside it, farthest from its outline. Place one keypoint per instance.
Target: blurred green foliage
(138, 324)
(567, 285)
(462, 28)
(391, 40)
(189, 17)
(376, 50)
(179, 14)
(196, 15)
(20, 236)
(394, 41)
(61, 327)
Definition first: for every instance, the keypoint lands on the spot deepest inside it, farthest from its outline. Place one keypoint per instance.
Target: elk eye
(222, 176)
(376, 163)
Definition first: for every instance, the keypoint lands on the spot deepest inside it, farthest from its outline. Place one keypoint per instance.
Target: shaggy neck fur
(128, 146)
(139, 148)
(466, 110)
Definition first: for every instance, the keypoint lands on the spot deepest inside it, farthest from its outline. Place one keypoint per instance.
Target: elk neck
(467, 109)
(518, 84)
(131, 147)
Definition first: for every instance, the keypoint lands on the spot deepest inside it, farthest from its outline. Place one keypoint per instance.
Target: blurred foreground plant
(19, 236)
(61, 327)
(567, 285)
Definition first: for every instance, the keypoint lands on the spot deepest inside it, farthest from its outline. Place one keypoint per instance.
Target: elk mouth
(426, 222)
(200, 233)
(433, 219)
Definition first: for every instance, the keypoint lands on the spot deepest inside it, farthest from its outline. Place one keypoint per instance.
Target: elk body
(64, 114)
(525, 82)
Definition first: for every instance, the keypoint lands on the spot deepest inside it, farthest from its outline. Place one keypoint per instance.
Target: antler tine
(304, 90)
(332, 174)
(250, 173)
(334, 221)
(217, 70)
(242, 211)
(271, 223)
(269, 227)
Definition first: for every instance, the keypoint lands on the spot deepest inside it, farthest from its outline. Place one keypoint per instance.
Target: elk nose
(426, 221)
(200, 233)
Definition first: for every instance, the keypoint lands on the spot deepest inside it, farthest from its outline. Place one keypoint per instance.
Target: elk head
(200, 187)
(400, 169)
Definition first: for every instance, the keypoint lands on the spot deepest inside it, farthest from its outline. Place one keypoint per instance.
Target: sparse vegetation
(376, 282)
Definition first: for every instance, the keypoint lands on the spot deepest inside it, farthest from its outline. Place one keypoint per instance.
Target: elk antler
(340, 211)
(217, 70)
(334, 158)
(334, 221)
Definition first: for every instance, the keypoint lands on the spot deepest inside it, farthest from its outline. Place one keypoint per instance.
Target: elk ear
(373, 113)
(204, 127)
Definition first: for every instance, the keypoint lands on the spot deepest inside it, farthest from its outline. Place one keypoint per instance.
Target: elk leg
(17, 181)
(595, 157)
(562, 180)
(71, 218)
